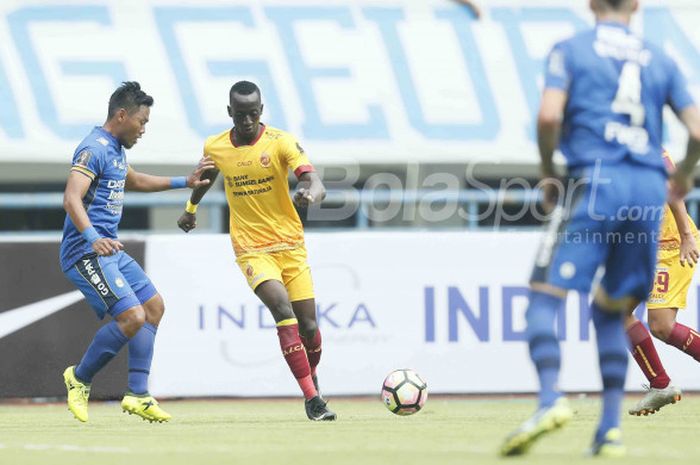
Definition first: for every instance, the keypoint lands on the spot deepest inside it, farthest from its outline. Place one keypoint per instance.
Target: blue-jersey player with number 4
(92, 256)
(605, 90)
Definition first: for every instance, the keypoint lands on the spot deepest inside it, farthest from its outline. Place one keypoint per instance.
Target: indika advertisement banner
(449, 305)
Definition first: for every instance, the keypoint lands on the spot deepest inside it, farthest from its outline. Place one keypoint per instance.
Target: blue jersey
(617, 86)
(101, 158)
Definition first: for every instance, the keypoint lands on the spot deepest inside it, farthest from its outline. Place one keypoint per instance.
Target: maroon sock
(295, 356)
(685, 339)
(313, 350)
(646, 356)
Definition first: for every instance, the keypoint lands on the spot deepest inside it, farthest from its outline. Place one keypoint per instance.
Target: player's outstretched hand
(105, 246)
(303, 197)
(194, 179)
(187, 222)
(689, 252)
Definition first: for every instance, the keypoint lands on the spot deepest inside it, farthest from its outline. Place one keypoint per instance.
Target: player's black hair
(244, 88)
(616, 4)
(128, 96)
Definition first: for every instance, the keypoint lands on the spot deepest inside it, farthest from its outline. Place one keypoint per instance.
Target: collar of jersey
(233, 139)
(109, 136)
(616, 24)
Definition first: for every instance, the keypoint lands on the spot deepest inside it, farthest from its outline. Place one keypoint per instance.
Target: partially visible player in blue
(605, 90)
(92, 256)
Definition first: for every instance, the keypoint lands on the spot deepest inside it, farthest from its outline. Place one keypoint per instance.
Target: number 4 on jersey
(628, 99)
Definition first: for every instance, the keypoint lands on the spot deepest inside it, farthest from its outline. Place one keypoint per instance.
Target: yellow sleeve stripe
(287, 322)
(85, 171)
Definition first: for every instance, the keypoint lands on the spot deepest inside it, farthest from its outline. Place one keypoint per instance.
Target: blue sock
(612, 356)
(544, 346)
(140, 356)
(107, 342)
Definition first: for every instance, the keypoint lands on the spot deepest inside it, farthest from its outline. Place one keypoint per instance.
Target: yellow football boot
(78, 394)
(544, 421)
(144, 406)
(610, 447)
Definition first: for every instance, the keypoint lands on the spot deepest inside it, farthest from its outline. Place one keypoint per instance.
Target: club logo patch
(567, 270)
(265, 160)
(83, 158)
(249, 271)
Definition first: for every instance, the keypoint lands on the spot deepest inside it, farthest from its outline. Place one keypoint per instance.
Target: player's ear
(121, 115)
(261, 108)
(635, 6)
(228, 109)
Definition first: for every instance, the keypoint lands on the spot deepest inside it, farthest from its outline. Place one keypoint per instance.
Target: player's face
(133, 126)
(246, 110)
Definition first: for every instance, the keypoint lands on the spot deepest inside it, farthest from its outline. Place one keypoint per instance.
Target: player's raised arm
(76, 188)
(142, 182)
(188, 220)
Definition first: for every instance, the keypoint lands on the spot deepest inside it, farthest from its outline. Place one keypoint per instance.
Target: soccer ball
(404, 392)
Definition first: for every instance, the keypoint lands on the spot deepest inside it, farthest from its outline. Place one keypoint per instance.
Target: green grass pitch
(258, 432)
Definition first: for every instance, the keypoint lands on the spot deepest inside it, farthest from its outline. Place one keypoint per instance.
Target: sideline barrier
(449, 305)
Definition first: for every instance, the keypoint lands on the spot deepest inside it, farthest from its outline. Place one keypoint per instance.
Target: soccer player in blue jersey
(605, 90)
(92, 257)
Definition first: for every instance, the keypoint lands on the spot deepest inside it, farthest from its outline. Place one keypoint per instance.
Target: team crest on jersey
(83, 158)
(265, 160)
(119, 164)
(103, 141)
(249, 271)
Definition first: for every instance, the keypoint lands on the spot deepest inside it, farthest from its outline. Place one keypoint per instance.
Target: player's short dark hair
(128, 96)
(616, 4)
(244, 88)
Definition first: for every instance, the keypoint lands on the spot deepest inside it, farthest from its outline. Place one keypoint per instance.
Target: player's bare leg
(138, 400)
(274, 295)
(660, 392)
(305, 311)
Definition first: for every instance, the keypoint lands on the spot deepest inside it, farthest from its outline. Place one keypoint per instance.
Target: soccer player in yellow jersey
(266, 232)
(678, 253)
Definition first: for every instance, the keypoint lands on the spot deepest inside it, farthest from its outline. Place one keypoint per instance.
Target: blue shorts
(611, 220)
(111, 284)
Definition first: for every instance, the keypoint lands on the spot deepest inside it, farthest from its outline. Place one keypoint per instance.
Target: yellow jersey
(669, 238)
(263, 217)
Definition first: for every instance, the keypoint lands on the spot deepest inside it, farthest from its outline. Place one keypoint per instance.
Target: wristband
(90, 235)
(191, 208)
(178, 182)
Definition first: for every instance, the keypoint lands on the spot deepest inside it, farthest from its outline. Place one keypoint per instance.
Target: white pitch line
(75, 448)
